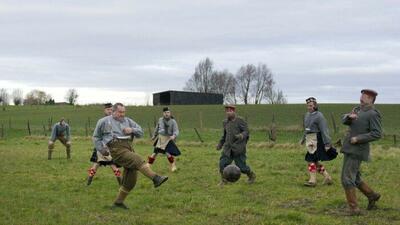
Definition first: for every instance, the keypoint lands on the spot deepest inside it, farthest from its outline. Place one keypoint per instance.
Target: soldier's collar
(366, 107)
(231, 119)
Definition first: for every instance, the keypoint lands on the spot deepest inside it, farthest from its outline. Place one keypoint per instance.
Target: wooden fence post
(29, 128)
(198, 135)
(86, 130)
(334, 123)
(50, 123)
(201, 119)
(44, 130)
(150, 134)
(154, 121)
(272, 129)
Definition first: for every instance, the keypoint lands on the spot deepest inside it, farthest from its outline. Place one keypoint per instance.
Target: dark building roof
(187, 98)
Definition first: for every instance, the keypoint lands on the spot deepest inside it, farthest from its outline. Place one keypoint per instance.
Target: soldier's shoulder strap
(376, 111)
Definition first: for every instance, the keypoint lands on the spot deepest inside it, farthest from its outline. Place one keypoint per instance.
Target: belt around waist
(116, 140)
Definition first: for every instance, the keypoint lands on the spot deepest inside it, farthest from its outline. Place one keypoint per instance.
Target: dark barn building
(187, 98)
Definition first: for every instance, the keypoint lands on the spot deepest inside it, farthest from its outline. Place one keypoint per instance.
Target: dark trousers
(240, 161)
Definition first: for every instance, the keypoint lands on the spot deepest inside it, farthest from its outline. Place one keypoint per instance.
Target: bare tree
(244, 80)
(72, 96)
(201, 79)
(275, 97)
(36, 97)
(223, 83)
(17, 96)
(4, 97)
(263, 83)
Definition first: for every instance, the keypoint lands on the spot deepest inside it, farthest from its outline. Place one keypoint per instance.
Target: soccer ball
(231, 173)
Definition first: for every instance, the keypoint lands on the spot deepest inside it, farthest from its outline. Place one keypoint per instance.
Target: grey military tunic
(367, 127)
(164, 130)
(231, 144)
(317, 135)
(234, 148)
(60, 131)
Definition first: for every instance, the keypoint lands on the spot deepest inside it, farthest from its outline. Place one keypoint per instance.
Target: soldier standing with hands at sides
(234, 141)
(364, 123)
(165, 135)
(100, 160)
(114, 135)
(62, 133)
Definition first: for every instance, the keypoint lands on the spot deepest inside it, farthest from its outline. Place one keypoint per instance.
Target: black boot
(89, 180)
(372, 196)
(119, 205)
(158, 180)
(252, 177)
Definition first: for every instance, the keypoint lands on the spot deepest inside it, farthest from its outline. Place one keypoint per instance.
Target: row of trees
(34, 97)
(251, 84)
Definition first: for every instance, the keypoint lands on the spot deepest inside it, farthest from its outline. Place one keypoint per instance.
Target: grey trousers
(351, 175)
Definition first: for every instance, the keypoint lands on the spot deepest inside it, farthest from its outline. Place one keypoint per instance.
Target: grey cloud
(155, 45)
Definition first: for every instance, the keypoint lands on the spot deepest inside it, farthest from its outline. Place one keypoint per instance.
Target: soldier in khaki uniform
(60, 132)
(100, 160)
(364, 124)
(114, 135)
(233, 142)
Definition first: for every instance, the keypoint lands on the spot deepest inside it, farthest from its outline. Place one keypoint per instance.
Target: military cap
(311, 99)
(107, 105)
(369, 92)
(165, 109)
(230, 106)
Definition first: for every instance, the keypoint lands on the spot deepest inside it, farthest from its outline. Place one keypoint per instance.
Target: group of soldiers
(115, 132)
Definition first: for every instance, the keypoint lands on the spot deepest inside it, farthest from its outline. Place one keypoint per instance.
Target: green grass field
(35, 190)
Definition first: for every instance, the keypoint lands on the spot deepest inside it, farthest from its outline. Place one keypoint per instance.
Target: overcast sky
(126, 50)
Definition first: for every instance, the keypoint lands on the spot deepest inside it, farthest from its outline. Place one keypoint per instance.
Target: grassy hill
(207, 119)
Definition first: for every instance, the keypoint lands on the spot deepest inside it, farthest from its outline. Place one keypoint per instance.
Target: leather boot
(158, 180)
(372, 196)
(119, 201)
(223, 181)
(352, 202)
(312, 182)
(251, 177)
(68, 153)
(89, 180)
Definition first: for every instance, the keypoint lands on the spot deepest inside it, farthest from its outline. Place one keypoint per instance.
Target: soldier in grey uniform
(100, 160)
(318, 143)
(165, 135)
(364, 124)
(114, 135)
(234, 141)
(60, 132)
